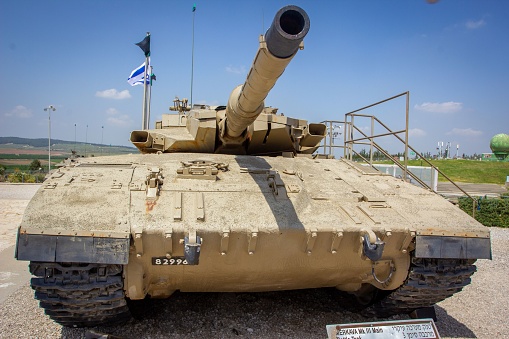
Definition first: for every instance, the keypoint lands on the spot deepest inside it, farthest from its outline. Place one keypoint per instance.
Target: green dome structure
(499, 145)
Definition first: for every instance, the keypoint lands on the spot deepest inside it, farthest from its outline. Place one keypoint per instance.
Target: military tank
(233, 199)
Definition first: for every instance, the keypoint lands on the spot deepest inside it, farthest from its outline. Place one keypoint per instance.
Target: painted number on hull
(170, 261)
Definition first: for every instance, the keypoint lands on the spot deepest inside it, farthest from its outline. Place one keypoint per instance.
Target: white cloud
(365, 129)
(236, 70)
(416, 132)
(440, 107)
(122, 121)
(20, 112)
(471, 24)
(112, 111)
(113, 94)
(118, 119)
(466, 132)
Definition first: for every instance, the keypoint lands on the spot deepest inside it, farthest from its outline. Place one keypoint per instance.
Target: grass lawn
(479, 172)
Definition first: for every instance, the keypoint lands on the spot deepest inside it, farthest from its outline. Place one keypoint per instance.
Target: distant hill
(40, 142)
(43, 142)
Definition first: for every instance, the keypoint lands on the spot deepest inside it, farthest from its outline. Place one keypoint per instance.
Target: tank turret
(245, 125)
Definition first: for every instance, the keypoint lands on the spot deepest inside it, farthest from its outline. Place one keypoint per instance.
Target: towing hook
(192, 246)
(373, 251)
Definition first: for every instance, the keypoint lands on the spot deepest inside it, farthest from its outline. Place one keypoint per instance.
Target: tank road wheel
(429, 281)
(80, 295)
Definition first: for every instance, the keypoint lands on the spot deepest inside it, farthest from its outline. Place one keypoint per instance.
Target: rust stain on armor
(149, 206)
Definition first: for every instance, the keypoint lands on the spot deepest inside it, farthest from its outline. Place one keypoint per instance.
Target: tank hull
(254, 223)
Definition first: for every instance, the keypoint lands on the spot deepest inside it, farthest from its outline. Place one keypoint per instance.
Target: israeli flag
(138, 75)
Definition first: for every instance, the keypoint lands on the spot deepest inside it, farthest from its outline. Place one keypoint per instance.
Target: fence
(17, 176)
(428, 175)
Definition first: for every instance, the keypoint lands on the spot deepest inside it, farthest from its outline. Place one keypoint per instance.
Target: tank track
(429, 282)
(80, 295)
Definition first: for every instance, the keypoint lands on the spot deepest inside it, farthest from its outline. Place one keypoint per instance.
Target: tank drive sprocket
(429, 282)
(80, 295)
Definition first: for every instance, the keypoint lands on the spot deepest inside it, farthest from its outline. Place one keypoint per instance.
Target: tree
(34, 165)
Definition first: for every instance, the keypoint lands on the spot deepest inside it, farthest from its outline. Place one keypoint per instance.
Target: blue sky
(76, 55)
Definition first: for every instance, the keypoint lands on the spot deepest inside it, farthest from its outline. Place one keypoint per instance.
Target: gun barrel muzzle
(290, 26)
(277, 48)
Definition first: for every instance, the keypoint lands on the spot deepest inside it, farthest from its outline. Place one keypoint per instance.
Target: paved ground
(491, 190)
(13, 201)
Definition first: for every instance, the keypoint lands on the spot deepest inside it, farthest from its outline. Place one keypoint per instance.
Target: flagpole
(192, 57)
(144, 119)
(149, 96)
(144, 112)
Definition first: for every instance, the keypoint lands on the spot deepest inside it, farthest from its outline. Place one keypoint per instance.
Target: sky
(452, 56)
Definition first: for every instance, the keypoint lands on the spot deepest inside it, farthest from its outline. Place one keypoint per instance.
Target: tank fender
(65, 248)
(452, 247)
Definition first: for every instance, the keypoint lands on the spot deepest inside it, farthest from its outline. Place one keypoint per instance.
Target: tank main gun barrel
(279, 45)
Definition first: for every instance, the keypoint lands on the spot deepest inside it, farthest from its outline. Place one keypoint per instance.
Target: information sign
(399, 329)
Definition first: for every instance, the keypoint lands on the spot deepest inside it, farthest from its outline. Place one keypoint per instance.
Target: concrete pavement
(13, 201)
(491, 190)
(13, 273)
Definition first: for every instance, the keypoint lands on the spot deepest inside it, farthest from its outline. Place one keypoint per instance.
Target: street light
(102, 135)
(86, 141)
(49, 109)
(74, 137)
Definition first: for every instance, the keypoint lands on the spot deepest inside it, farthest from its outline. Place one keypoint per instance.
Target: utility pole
(49, 109)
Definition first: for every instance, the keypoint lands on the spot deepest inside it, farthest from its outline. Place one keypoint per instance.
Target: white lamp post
(102, 135)
(86, 141)
(49, 109)
(75, 138)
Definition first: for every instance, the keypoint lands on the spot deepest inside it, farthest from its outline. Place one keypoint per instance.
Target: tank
(235, 199)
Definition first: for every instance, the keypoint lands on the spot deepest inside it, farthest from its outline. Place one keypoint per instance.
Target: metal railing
(361, 138)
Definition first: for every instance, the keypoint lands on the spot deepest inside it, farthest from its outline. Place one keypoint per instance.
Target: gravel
(481, 310)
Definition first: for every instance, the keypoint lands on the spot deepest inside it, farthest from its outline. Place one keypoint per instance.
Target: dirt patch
(27, 151)
(16, 162)
(22, 162)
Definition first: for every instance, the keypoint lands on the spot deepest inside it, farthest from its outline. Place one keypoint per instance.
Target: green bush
(489, 211)
(35, 165)
(19, 176)
(39, 177)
